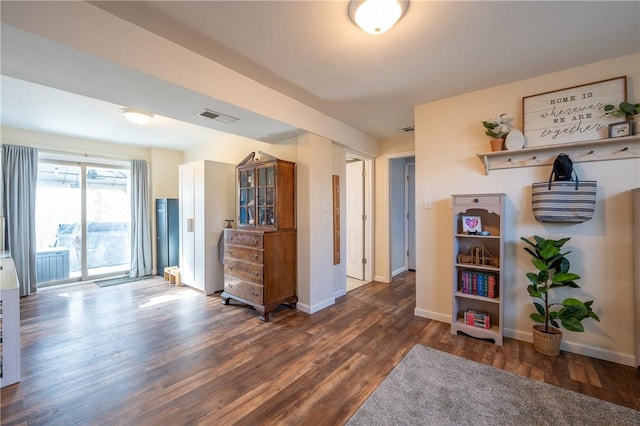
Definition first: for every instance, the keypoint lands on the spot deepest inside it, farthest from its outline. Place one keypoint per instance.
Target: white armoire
(207, 198)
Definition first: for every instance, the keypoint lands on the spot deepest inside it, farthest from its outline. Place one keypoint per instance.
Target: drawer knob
(255, 274)
(475, 200)
(229, 251)
(255, 294)
(255, 256)
(230, 267)
(230, 285)
(255, 241)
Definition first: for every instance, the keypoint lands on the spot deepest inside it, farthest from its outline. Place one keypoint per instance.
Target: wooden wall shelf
(580, 152)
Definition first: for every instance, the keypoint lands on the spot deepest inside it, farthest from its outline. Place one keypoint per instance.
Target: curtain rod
(78, 156)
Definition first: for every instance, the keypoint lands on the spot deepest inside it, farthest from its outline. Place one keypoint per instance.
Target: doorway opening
(402, 215)
(82, 221)
(358, 220)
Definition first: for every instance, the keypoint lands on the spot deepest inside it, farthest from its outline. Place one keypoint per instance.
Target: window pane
(108, 218)
(58, 232)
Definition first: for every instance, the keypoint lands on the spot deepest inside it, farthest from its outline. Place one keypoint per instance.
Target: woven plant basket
(547, 343)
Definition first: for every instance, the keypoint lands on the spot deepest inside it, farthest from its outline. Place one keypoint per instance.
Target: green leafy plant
(499, 127)
(624, 109)
(553, 272)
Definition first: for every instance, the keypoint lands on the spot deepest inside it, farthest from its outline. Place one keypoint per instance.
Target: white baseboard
(399, 271)
(340, 293)
(315, 308)
(381, 279)
(577, 348)
(432, 315)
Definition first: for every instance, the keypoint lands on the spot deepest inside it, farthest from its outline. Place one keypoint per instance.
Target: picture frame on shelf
(617, 130)
(471, 224)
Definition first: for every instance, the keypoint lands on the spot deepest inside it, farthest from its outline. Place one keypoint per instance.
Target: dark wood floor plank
(148, 353)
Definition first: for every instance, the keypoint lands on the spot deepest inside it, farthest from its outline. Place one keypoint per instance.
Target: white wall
(340, 270)
(315, 242)
(448, 136)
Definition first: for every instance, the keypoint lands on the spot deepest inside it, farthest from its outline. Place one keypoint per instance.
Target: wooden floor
(150, 353)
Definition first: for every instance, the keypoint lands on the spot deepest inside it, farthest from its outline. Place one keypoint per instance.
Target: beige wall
(403, 146)
(233, 149)
(72, 145)
(446, 163)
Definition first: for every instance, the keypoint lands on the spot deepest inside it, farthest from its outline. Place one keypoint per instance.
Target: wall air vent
(226, 119)
(408, 129)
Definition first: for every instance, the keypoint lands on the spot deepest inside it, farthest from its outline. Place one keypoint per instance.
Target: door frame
(410, 215)
(83, 162)
(368, 211)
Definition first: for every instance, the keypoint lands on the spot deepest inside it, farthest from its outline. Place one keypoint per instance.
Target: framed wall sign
(573, 114)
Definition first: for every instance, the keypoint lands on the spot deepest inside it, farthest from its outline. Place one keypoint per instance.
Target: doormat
(121, 280)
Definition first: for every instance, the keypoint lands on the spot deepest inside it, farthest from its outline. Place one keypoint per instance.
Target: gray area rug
(431, 387)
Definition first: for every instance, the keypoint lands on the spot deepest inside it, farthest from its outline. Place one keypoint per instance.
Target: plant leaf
(572, 324)
(539, 308)
(562, 277)
(549, 252)
(554, 323)
(533, 278)
(533, 291)
(540, 264)
(537, 318)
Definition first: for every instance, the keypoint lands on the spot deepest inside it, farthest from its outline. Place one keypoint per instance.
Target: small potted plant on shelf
(630, 112)
(497, 129)
(553, 272)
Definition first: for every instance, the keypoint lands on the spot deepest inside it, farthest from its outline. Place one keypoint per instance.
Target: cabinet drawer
(249, 239)
(477, 200)
(244, 290)
(243, 270)
(243, 253)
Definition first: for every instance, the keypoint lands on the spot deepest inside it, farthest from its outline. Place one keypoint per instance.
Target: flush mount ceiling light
(136, 116)
(377, 16)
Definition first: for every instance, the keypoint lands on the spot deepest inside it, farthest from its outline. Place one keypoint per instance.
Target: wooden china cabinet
(260, 255)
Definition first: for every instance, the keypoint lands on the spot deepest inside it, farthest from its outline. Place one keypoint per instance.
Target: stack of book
(479, 283)
(477, 319)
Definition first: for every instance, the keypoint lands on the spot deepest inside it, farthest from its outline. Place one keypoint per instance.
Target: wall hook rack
(581, 152)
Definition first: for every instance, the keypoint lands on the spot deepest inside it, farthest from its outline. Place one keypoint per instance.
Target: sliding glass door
(82, 221)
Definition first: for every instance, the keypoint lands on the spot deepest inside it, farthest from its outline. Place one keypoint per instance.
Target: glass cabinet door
(265, 187)
(247, 197)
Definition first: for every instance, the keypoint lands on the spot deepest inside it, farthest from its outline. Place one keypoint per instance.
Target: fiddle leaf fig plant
(552, 272)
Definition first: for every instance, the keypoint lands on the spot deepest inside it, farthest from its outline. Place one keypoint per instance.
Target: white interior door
(410, 196)
(355, 219)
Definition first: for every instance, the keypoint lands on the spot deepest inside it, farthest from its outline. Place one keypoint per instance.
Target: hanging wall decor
(573, 114)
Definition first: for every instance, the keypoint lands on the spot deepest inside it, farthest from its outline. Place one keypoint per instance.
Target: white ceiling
(312, 52)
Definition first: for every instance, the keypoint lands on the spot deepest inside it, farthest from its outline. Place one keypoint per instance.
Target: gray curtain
(19, 177)
(141, 262)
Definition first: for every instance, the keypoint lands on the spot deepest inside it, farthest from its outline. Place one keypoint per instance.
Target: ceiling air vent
(408, 129)
(226, 119)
